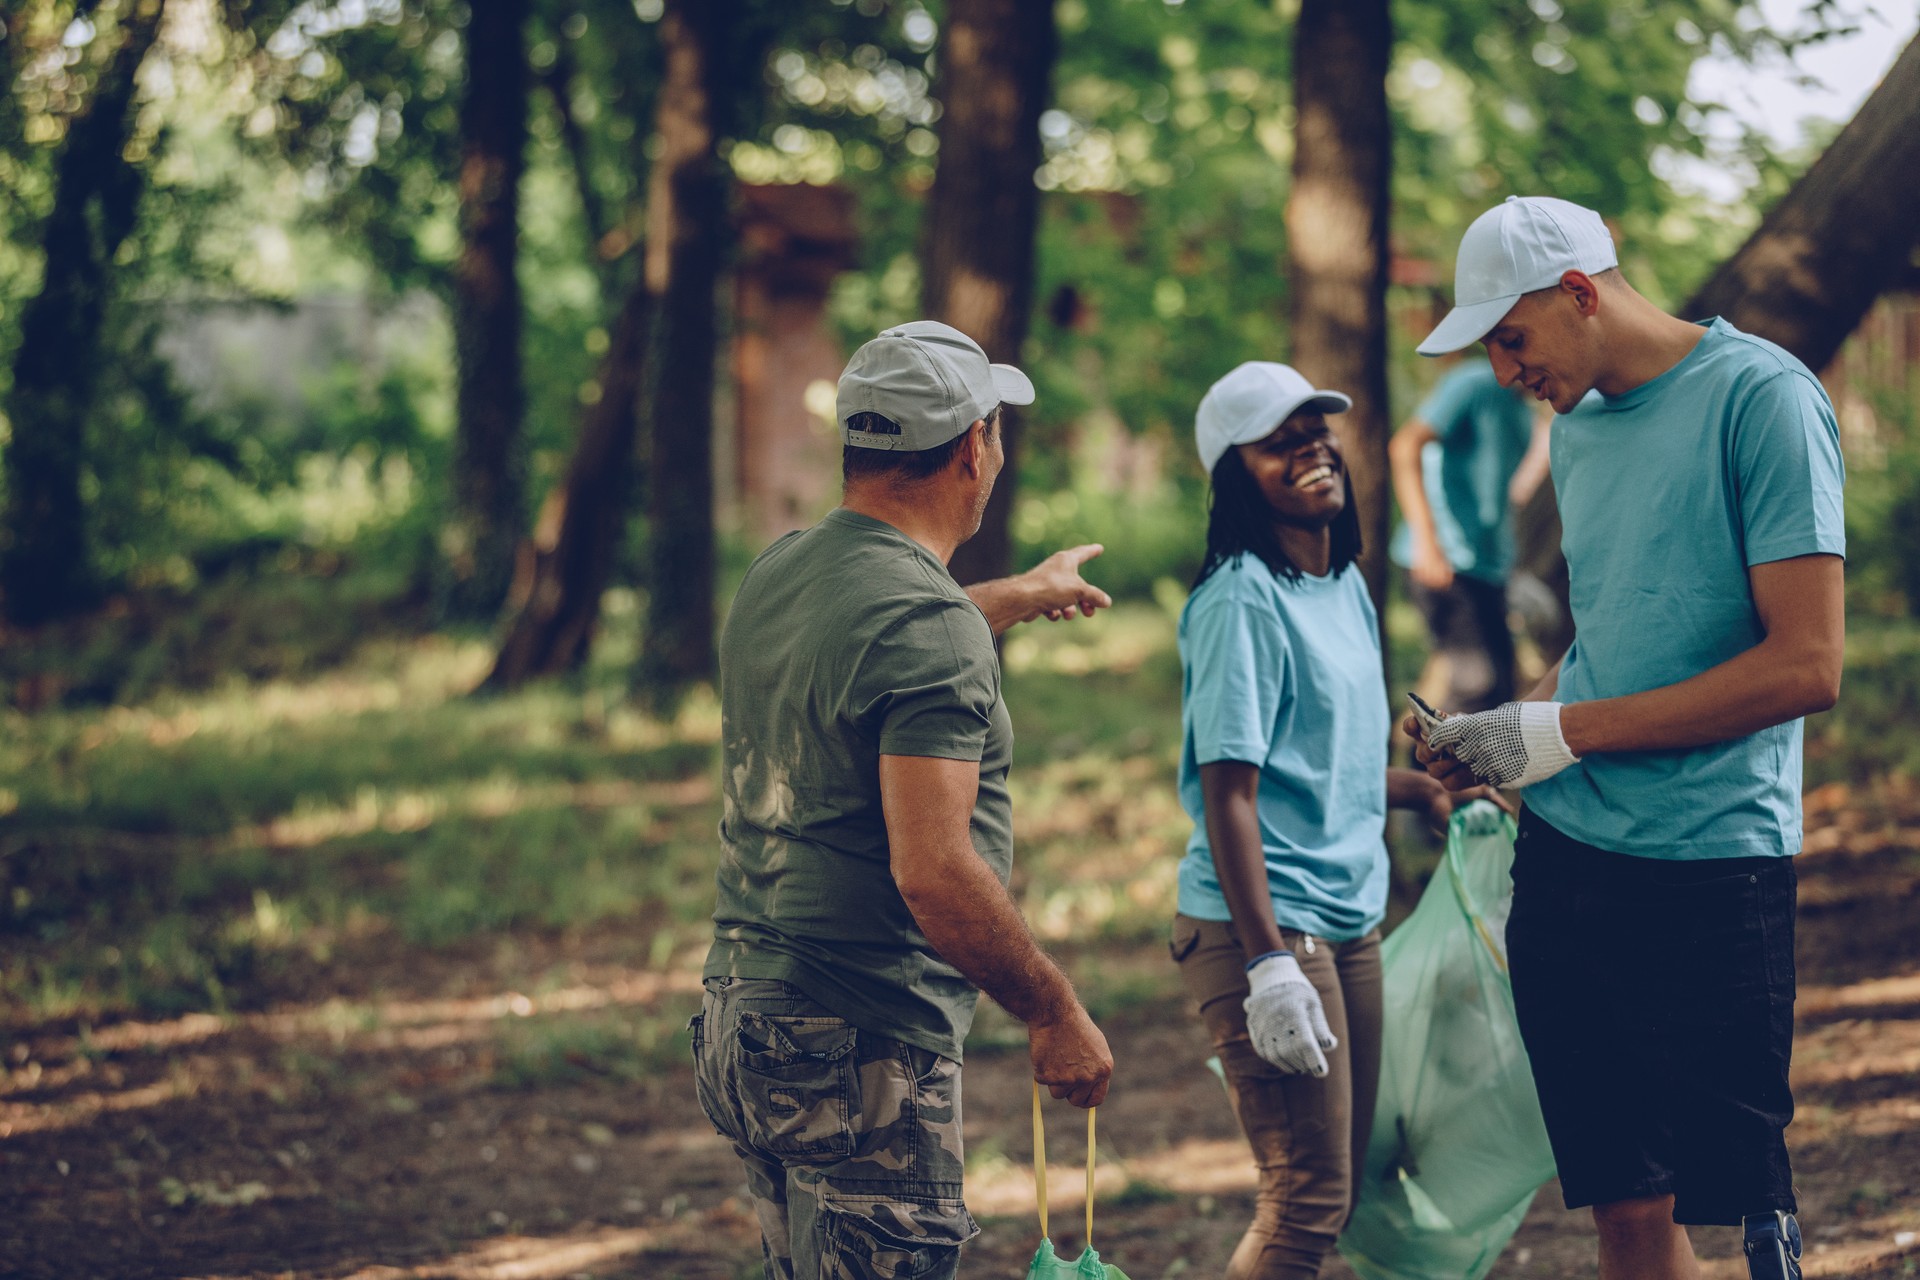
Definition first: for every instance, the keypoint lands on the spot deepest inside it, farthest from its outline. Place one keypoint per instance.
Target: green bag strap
(1040, 1166)
(1456, 874)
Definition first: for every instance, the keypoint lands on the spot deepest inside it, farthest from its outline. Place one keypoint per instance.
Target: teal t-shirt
(1484, 430)
(1668, 494)
(1287, 676)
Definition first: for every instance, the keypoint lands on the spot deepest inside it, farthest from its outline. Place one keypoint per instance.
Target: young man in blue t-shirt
(1699, 476)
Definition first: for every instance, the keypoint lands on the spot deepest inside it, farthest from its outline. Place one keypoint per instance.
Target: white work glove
(1284, 1017)
(1514, 745)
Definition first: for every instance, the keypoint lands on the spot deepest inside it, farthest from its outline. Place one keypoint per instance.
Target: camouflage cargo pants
(851, 1141)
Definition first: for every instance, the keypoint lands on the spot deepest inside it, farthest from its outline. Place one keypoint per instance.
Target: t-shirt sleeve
(1237, 657)
(1786, 457)
(930, 683)
(1449, 405)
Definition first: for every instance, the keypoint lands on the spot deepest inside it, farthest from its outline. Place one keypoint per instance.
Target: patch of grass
(183, 853)
(1871, 732)
(1139, 1193)
(539, 1051)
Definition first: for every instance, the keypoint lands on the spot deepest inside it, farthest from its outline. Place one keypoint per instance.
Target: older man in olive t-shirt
(867, 841)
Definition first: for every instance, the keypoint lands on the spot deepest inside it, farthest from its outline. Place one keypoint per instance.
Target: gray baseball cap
(931, 379)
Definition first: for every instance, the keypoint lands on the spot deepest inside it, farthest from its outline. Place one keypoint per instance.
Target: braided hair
(1239, 521)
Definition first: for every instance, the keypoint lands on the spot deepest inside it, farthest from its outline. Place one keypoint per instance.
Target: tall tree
(1838, 238)
(687, 241)
(995, 69)
(44, 567)
(577, 538)
(489, 470)
(1337, 239)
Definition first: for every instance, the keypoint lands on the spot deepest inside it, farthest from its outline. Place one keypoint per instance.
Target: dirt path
(371, 1132)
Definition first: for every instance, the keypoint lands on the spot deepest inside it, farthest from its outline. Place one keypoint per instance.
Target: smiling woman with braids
(1284, 773)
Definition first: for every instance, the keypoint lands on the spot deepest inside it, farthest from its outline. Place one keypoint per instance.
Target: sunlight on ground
(517, 1257)
(998, 1187)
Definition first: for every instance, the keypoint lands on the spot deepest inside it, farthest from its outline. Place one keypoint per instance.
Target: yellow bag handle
(1040, 1165)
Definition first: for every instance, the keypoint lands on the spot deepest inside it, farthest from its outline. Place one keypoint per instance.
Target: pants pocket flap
(895, 1236)
(772, 1039)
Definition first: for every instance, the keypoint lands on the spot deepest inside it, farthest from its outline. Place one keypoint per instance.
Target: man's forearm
(1005, 601)
(1752, 691)
(971, 920)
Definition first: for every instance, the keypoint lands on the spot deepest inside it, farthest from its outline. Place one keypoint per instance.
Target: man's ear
(974, 447)
(1584, 291)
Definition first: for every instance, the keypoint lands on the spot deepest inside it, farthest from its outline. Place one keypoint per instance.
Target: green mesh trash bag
(1459, 1147)
(1048, 1265)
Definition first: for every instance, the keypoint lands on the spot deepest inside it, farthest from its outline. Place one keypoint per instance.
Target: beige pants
(1309, 1136)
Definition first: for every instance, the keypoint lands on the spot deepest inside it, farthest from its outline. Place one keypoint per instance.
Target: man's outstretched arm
(1051, 589)
(971, 920)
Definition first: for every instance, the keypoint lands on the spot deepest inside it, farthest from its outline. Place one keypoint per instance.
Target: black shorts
(1656, 1001)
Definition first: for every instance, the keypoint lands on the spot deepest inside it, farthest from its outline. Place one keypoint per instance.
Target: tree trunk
(1337, 240)
(44, 568)
(996, 66)
(566, 568)
(687, 239)
(1839, 236)
(489, 471)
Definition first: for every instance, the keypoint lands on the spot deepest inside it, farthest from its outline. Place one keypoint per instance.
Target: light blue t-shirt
(1668, 494)
(1484, 430)
(1287, 676)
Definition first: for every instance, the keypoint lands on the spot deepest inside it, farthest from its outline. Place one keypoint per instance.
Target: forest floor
(346, 975)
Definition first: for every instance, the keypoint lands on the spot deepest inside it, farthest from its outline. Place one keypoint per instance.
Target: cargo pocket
(889, 1237)
(703, 1086)
(796, 1084)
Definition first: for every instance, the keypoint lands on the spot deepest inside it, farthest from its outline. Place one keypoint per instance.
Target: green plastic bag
(1459, 1146)
(1046, 1264)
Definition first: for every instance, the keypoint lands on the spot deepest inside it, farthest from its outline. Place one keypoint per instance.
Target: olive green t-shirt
(846, 642)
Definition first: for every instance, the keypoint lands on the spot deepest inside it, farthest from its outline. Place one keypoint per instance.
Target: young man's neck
(919, 511)
(1644, 343)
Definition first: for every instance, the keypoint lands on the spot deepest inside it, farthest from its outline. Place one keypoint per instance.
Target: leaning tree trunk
(687, 238)
(556, 596)
(489, 470)
(44, 569)
(1808, 276)
(996, 63)
(1337, 240)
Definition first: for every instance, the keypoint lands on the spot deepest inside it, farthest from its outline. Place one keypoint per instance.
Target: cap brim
(1324, 402)
(1466, 325)
(1012, 386)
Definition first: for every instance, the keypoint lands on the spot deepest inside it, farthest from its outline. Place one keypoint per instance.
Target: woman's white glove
(1284, 1016)
(1514, 745)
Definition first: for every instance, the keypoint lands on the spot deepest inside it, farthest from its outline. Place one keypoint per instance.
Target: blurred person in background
(1470, 454)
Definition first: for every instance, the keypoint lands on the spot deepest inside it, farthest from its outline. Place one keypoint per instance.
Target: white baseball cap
(1523, 244)
(1250, 402)
(930, 380)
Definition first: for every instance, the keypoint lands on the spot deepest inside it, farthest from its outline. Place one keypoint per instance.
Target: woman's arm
(1424, 793)
(1230, 792)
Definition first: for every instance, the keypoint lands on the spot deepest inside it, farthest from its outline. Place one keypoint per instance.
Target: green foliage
(543, 1051)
